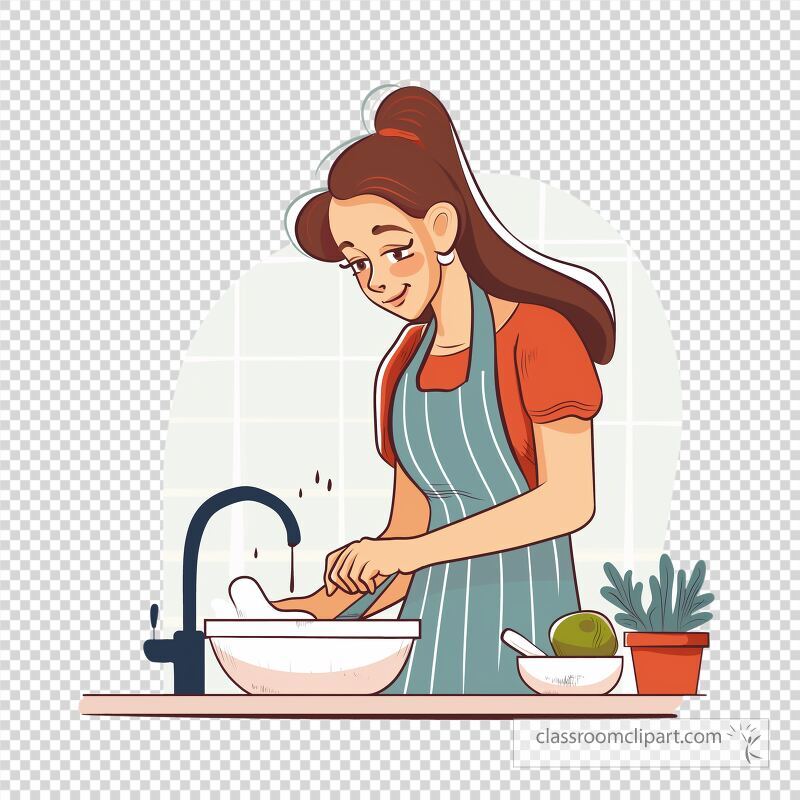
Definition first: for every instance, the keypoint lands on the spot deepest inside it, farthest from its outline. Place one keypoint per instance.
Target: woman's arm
(409, 516)
(562, 503)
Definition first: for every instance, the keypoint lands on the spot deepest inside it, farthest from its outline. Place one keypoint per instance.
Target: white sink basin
(311, 656)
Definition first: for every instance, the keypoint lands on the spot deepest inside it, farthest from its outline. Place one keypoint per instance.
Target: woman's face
(391, 254)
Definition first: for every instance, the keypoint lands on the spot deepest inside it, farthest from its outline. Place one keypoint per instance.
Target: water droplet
(330, 484)
(316, 477)
(255, 553)
(291, 569)
(300, 493)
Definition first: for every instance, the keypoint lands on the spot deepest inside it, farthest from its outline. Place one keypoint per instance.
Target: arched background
(278, 383)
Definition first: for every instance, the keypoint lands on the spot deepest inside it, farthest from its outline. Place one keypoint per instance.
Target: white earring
(446, 258)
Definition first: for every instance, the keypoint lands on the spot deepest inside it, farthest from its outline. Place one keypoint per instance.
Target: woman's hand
(356, 567)
(296, 604)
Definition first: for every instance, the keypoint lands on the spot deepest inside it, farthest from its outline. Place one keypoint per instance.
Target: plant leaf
(696, 580)
(626, 620)
(686, 600)
(617, 592)
(697, 619)
(654, 611)
(680, 598)
(667, 572)
(613, 597)
(702, 600)
(624, 595)
(612, 573)
(638, 608)
(628, 586)
(627, 582)
(692, 590)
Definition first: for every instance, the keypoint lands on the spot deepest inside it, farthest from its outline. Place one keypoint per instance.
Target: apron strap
(356, 609)
(482, 335)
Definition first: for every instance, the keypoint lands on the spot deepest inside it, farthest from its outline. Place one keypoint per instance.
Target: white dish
(312, 656)
(250, 601)
(584, 675)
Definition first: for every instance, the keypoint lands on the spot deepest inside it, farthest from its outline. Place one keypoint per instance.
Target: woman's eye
(398, 254)
(359, 266)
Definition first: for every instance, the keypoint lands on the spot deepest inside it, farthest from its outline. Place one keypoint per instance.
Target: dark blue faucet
(186, 649)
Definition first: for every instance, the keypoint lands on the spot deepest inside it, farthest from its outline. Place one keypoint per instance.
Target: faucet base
(190, 666)
(186, 652)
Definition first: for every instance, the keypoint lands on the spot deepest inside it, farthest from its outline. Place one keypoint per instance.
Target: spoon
(516, 641)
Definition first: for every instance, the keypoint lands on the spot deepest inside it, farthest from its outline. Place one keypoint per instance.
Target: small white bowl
(312, 656)
(584, 675)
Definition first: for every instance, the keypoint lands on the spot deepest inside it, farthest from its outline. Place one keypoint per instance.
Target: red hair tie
(402, 134)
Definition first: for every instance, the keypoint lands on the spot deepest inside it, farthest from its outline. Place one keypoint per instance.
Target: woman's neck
(451, 305)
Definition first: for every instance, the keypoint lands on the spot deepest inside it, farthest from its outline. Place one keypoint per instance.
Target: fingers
(367, 575)
(352, 569)
(341, 571)
(357, 574)
(330, 563)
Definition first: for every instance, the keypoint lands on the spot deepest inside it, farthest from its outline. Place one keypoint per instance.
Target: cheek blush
(408, 266)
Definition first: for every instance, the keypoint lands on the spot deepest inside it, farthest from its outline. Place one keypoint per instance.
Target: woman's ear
(441, 222)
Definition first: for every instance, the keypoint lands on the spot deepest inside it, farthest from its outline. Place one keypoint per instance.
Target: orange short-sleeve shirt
(544, 373)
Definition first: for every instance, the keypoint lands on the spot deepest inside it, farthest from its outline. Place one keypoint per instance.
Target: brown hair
(412, 161)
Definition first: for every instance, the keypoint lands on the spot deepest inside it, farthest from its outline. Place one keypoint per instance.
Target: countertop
(382, 706)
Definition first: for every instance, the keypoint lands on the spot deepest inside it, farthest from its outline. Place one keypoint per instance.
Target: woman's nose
(376, 282)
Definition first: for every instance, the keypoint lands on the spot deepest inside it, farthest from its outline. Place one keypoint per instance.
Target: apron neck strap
(482, 343)
(482, 354)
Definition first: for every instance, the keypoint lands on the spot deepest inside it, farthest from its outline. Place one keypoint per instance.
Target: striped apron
(453, 446)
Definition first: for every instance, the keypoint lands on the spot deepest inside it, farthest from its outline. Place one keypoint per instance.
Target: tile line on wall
(202, 493)
(604, 423)
(628, 532)
(645, 423)
(237, 519)
(290, 359)
(341, 476)
(278, 259)
(542, 198)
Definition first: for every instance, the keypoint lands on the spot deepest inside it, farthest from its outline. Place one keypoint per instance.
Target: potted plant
(666, 657)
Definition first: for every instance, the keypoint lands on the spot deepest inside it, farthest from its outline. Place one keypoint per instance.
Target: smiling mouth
(398, 299)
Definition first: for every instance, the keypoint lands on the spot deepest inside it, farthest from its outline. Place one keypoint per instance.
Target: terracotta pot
(666, 663)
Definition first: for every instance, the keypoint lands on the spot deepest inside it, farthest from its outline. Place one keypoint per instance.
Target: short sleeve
(391, 367)
(556, 374)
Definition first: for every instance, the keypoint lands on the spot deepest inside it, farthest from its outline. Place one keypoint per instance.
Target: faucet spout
(198, 525)
(186, 649)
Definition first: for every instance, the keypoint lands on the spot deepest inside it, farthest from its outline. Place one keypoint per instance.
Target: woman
(483, 405)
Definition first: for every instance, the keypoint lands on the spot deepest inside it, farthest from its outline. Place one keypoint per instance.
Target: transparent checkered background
(148, 152)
